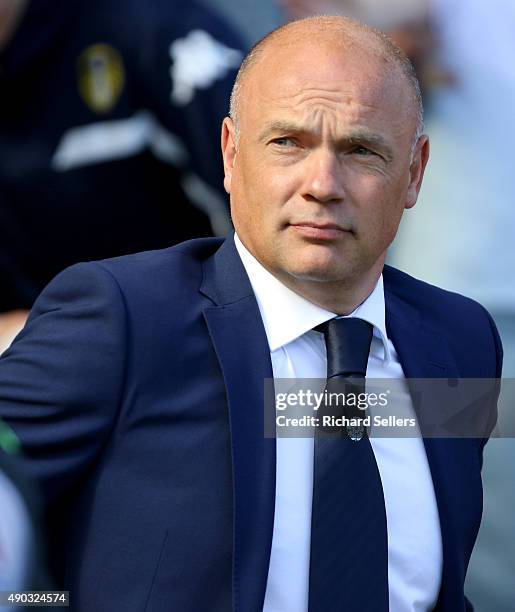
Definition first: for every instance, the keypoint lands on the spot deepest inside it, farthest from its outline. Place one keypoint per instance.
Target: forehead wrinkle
(318, 94)
(341, 110)
(316, 109)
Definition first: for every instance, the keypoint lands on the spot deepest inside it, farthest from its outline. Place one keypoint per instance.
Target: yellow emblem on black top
(101, 77)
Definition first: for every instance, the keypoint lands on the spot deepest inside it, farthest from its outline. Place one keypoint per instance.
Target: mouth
(319, 231)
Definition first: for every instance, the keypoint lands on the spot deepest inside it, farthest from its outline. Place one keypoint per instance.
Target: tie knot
(347, 341)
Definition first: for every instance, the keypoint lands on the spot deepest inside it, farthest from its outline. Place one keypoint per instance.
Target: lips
(318, 231)
(318, 225)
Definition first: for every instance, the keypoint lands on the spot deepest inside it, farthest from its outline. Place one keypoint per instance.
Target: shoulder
(172, 274)
(143, 282)
(430, 298)
(466, 324)
(180, 264)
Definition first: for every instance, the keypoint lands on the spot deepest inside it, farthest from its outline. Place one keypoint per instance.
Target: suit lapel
(240, 342)
(424, 353)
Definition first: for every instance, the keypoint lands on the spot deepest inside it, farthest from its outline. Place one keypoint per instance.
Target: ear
(417, 168)
(228, 151)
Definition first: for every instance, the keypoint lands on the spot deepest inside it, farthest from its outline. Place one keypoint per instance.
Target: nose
(323, 177)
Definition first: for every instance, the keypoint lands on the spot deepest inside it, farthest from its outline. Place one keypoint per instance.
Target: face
(321, 173)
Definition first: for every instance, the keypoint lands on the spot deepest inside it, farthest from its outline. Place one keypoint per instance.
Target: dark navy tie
(349, 556)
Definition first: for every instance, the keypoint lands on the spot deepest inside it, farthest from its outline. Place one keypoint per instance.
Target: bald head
(336, 34)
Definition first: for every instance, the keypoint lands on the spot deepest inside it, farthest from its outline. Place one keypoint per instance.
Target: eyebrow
(354, 137)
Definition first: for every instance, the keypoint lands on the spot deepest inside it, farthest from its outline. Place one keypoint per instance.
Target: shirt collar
(287, 315)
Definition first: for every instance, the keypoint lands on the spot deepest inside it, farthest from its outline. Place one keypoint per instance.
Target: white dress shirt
(414, 537)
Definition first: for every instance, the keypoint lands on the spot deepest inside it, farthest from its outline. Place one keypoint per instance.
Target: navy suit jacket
(136, 389)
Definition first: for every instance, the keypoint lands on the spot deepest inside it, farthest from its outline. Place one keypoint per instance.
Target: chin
(322, 276)
(329, 272)
(319, 262)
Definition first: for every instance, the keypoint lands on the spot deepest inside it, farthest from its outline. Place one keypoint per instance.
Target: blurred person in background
(16, 532)
(464, 229)
(21, 551)
(110, 115)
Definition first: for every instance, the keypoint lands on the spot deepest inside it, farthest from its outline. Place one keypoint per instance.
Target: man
(136, 387)
(109, 134)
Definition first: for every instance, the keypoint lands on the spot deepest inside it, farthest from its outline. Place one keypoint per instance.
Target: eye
(362, 151)
(284, 141)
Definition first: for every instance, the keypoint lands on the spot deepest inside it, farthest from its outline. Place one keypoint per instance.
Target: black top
(108, 108)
